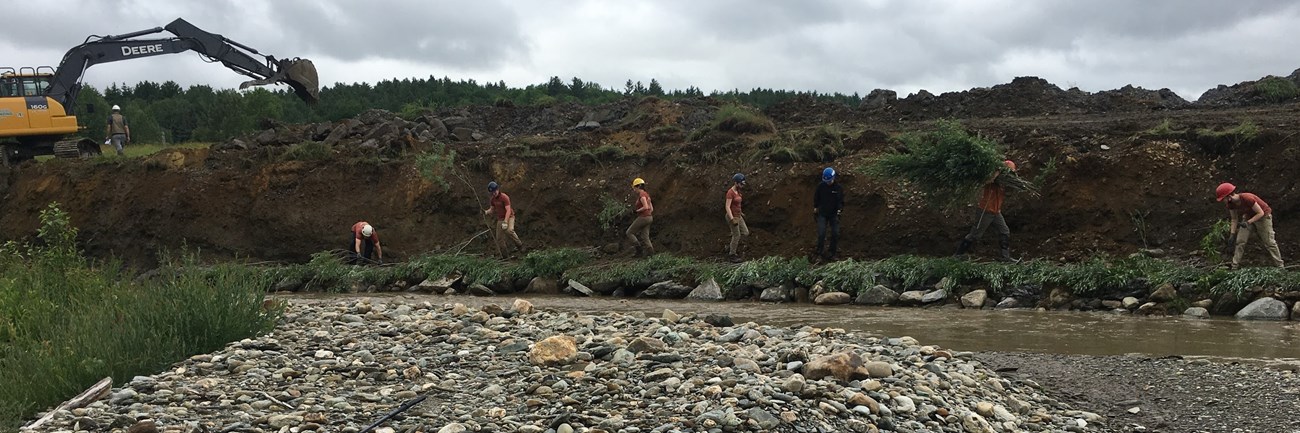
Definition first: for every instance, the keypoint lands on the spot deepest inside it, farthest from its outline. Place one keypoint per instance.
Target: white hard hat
(367, 230)
(117, 108)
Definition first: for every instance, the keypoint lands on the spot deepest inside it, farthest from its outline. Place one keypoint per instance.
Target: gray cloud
(827, 45)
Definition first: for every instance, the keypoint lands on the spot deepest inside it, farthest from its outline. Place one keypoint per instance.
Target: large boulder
(911, 297)
(706, 291)
(543, 285)
(1197, 312)
(877, 295)
(439, 285)
(975, 299)
(554, 350)
(777, 294)
(580, 288)
(665, 290)
(832, 298)
(1264, 309)
(935, 296)
(1164, 293)
(844, 366)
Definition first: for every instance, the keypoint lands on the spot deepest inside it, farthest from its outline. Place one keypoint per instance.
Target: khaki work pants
(738, 230)
(508, 232)
(1264, 228)
(639, 233)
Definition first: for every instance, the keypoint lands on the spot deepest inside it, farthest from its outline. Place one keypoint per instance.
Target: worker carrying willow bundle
(950, 166)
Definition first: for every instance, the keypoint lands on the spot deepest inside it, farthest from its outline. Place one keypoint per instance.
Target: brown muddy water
(1059, 332)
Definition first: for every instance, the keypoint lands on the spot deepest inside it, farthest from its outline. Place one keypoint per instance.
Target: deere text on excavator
(37, 103)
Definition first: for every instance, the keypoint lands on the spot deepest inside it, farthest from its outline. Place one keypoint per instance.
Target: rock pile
(338, 367)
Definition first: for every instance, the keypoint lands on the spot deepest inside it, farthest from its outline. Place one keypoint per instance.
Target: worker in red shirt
(735, 218)
(644, 210)
(365, 243)
(1248, 213)
(505, 219)
(990, 213)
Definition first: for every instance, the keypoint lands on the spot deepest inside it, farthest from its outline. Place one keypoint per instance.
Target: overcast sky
(826, 45)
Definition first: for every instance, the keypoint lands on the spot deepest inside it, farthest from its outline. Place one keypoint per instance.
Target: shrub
(741, 120)
(611, 211)
(65, 322)
(1214, 241)
(947, 163)
(434, 164)
(307, 151)
(1276, 89)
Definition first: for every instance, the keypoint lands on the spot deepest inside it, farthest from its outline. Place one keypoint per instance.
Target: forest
(167, 113)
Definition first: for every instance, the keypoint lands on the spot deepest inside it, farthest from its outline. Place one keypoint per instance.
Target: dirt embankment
(1127, 175)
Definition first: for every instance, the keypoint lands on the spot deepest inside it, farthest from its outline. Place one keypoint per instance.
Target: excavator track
(76, 148)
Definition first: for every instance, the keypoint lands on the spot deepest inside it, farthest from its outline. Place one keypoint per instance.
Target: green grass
(1244, 132)
(1276, 89)
(66, 322)
(1092, 277)
(741, 120)
(821, 144)
(307, 151)
(1164, 129)
(140, 150)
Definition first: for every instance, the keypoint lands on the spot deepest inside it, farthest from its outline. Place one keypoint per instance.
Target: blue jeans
(834, 222)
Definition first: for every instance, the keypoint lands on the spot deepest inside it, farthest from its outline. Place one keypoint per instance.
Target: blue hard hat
(828, 174)
(739, 178)
(492, 186)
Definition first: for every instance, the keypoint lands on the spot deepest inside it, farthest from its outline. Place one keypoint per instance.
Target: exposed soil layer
(1170, 394)
(1133, 162)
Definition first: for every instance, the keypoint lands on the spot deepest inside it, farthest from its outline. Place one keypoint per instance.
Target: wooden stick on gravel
(96, 392)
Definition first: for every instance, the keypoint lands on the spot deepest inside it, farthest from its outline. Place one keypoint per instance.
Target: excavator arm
(300, 74)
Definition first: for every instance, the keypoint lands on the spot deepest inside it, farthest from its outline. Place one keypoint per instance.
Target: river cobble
(337, 366)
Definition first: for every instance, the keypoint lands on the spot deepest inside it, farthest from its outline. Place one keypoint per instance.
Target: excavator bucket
(301, 75)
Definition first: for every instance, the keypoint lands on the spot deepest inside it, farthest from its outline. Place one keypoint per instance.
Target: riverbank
(1167, 394)
(336, 366)
(1138, 284)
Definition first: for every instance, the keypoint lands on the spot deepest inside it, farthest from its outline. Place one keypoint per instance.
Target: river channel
(1058, 332)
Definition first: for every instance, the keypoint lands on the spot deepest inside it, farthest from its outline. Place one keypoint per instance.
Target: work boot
(1004, 243)
(734, 258)
(963, 247)
(639, 252)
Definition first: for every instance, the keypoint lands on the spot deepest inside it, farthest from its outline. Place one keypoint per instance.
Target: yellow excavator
(37, 103)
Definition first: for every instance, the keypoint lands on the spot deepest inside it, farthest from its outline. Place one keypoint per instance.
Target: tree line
(166, 112)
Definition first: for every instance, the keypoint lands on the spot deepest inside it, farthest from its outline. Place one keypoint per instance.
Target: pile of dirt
(1022, 97)
(1256, 92)
(1111, 184)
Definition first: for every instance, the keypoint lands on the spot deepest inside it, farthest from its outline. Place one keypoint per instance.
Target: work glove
(505, 226)
(1243, 224)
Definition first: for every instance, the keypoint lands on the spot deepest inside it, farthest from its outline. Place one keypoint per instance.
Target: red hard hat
(1224, 190)
(1010, 164)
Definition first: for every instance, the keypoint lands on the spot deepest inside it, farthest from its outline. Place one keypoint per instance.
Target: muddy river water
(1080, 333)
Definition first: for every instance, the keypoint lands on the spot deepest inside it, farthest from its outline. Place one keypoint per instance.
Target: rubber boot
(1004, 243)
(963, 247)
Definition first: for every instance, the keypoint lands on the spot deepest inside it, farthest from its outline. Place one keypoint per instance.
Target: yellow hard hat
(638, 182)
